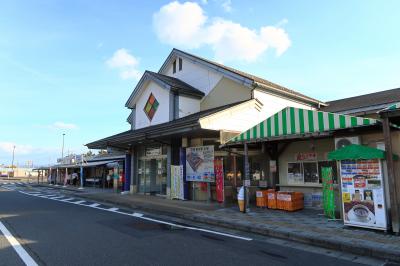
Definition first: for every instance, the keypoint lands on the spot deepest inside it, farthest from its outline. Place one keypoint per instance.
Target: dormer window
(174, 67)
(180, 64)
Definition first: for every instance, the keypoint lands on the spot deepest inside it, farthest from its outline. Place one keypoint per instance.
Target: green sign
(328, 194)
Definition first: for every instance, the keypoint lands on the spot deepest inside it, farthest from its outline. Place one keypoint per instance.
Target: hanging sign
(200, 164)
(150, 152)
(219, 179)
(363, 193)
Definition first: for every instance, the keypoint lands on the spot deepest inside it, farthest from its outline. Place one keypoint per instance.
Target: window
(180, 64)
(174, 67)
(309, 172)
(295, 173)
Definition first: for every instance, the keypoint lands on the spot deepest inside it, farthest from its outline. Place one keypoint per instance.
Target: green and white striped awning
(295, 121)
(392, 107)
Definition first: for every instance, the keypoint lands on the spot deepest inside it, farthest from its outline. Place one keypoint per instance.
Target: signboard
(176, 191)
(219, 179)
(247, 183)
(150, 152)
(200, 164)
(305, 156)
(363, 193)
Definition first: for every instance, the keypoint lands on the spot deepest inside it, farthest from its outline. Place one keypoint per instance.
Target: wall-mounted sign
(200, 164)
(150, 152)
(306, 156)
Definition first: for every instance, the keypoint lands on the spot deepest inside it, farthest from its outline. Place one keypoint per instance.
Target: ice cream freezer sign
(363, 193)
(200, 164)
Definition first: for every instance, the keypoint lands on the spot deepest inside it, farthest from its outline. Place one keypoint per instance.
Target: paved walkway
(306, 226)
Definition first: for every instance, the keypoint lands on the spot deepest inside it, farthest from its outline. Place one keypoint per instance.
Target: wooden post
(246, 175)
(394, 207)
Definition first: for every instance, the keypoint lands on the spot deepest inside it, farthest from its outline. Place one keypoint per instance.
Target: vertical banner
(327, 191)
(363, 193)
(176, 191)
(219, 179)
(200, 164)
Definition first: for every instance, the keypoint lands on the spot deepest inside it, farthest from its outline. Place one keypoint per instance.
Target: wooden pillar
(246, 175)
(394, 202)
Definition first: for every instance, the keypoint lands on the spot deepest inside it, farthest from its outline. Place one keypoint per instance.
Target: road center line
(26, 258)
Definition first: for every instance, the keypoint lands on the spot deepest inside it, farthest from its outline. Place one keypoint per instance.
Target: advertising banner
(328, 193)
(219, 179)
(200, 164)
(363, 193)
(176, 182)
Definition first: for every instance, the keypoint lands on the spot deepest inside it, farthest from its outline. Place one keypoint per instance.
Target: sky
(69, 66)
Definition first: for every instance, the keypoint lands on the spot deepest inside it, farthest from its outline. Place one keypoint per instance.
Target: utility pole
(62, 150)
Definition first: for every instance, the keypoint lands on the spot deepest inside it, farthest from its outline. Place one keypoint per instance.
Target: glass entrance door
(152, 174)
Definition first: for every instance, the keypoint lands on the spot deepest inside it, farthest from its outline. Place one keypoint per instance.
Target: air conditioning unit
(345, 141)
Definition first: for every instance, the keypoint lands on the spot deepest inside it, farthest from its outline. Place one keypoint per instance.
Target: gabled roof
(174, 84)
(241, 76)
(178, 85)
(367, 103)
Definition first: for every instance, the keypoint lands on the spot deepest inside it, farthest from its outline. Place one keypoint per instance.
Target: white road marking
(112, 209)
(68, 199)
(55, 198)
(26, 258)
(141, 216)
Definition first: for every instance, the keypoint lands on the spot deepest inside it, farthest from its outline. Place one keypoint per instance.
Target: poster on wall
(176, 191)
(219, 179)
(363, 193)
(200, 164)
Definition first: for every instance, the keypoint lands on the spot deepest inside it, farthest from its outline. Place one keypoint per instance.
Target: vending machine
(363, 193)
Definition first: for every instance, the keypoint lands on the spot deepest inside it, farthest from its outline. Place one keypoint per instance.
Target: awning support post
(246, 175)
(394, 205)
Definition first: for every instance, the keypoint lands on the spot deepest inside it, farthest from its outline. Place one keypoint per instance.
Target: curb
(332, 243)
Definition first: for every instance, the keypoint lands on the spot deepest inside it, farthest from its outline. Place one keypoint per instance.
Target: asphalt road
(61, 233)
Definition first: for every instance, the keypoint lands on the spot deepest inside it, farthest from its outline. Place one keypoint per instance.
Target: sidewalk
(307, 226)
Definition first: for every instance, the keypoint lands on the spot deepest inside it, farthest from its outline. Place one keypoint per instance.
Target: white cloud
(126, 63)
(185, 25)
(227, 6)
(62, 125)
(180, 24)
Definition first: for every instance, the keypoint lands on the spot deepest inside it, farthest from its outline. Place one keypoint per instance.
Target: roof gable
(241, 77)
(173, 84)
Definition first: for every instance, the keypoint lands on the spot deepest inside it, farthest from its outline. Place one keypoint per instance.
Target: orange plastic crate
(261, 198)
(290, 201)
(271, 199)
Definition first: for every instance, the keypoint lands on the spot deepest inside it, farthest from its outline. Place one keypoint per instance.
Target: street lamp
(62, 149)
(12, 163)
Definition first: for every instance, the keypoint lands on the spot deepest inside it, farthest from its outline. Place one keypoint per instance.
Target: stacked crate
(261, 198)
(289, 201)
(271, 196)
